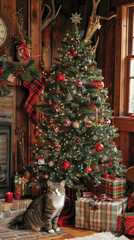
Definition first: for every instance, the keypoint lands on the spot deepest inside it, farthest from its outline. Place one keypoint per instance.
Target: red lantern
(60, 77)
(99, 147)
(65, 165)
(73, 52)
(88, 170)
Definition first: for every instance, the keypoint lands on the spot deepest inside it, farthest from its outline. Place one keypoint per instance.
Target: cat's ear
(62, 183)
(49, 183)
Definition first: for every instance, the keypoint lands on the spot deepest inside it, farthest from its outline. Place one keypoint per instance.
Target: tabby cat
(43, 212)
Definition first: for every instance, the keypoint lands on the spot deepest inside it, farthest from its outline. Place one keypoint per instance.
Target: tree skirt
(100, 236)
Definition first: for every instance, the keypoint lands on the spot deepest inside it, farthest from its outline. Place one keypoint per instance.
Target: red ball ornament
(65, 165)
(66, 122)
(1, 70)
(88, 123)
(110, 162)
(57, 147)
(88, 170)
(99, 147)
(56, 129)
(107, 121)
(79, 83)
(97, 83)
(105, 175)
(73, 52)
(60, 77)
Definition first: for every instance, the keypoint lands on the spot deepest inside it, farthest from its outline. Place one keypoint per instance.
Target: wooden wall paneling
(9, 8)
(125, 147)
(131, 154)
(35, 32)
(125, 124)
(46, 47)
(117, 76)
(21, 122)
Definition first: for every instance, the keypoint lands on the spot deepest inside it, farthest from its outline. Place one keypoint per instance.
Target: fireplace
(5, 157)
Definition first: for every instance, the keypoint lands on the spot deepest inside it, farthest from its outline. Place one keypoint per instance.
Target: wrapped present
(114, 188)
(98, 214)
(126, 224)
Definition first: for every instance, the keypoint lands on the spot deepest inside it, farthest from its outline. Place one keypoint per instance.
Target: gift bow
(24, 47)
(94, 204)
(103, 197)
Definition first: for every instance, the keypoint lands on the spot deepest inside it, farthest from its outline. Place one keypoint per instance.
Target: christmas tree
(75, 133)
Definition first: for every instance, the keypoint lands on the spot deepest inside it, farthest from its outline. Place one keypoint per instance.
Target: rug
(100, 236)
(7, 233)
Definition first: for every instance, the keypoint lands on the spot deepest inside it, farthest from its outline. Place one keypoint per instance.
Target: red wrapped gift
(126, 224)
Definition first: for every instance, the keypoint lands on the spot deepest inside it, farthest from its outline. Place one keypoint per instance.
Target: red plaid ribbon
(102, 197)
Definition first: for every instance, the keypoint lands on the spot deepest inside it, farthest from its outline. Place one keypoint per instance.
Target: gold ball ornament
(77, 140)
(46, 176)
(101, 120)
(27, 175)
(92, 118)
(74, 148)
(36, 155)
(76, 124)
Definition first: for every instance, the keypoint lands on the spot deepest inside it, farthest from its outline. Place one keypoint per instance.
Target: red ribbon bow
(24, 47)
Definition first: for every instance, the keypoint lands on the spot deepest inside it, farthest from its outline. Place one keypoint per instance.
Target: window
(124, 61)
(130, 61)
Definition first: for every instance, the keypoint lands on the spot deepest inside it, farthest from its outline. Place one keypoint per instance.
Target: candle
(9, 197)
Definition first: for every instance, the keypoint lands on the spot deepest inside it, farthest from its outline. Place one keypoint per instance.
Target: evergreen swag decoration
(9, 70)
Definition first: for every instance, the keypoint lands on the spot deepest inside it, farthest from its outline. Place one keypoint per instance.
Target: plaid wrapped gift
(126, 224)
(105, 218)
(114, 188)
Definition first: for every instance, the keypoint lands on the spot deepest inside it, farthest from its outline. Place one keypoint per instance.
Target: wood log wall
(46, 43)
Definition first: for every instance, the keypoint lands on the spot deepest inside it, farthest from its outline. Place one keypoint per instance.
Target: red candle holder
(9, 197)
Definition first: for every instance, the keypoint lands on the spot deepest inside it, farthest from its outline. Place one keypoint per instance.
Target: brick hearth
(8, 211)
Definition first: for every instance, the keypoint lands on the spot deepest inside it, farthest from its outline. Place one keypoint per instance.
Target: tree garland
(10, 71)
(30, 77)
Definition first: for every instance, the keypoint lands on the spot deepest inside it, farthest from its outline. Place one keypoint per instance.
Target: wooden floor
(72, 233)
